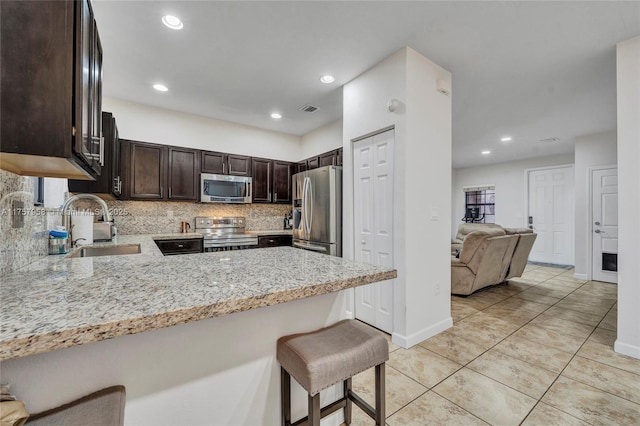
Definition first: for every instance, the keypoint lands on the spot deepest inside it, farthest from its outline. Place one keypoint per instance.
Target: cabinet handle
(222, 168)
(169, 192)
(160, 192)
(269, 196)
(275, 197)
(101, 150)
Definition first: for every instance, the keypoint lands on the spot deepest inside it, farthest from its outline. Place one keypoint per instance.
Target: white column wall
(628, 102)
(422, 164)
(157, 125)
(591, 150)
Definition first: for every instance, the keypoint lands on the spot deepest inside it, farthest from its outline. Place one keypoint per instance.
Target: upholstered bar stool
(328, 356)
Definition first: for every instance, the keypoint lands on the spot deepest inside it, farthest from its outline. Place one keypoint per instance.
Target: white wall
(162, 126)
(422, 165)
(628, 102)
(511, 191)
(590, 150)
(323, 139)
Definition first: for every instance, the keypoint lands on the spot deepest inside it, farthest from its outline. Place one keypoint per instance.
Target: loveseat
(489, 255)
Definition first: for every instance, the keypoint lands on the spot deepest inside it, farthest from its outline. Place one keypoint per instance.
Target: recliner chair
(484, 260)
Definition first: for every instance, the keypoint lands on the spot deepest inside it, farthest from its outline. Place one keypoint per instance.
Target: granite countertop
(59, 302)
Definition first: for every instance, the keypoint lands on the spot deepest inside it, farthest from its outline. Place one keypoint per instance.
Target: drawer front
(180, 246)
(275, 240)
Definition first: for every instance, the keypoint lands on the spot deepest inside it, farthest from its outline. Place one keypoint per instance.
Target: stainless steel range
(225, 233)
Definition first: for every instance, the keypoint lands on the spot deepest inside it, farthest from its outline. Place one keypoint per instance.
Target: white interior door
(604, 199)
(373, 222)
(551, 215)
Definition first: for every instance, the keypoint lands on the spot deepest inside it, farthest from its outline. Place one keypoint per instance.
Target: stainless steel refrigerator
(317, 210)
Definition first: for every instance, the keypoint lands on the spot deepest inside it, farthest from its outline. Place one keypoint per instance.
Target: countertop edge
(46, 342)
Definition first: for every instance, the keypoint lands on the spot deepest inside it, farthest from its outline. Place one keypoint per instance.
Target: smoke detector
(309, 108)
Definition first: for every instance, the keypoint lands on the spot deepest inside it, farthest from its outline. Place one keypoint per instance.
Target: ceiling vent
(550, 140)
(309, 108)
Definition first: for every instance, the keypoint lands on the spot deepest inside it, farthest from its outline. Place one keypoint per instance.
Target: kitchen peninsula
(72, 326)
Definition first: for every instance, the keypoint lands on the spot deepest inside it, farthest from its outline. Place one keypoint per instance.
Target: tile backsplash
(24, 245)
(153, 217)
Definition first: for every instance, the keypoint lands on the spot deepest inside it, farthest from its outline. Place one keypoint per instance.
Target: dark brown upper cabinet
(282, 171)
(239, 165)
(339, 157)
(226, 164)
(261, 180)
(313, 163)
(109, 184)
(328, 159)
(50, 90)
(147, 171)
(301, 166)
(271, 181)
(184, 174)
(160, 172)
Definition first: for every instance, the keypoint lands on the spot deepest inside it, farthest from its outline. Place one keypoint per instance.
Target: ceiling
(531, 70)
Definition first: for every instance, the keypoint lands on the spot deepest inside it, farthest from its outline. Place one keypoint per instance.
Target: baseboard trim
(626, 349)
(349, 315)
(578, 276)
(419, 336)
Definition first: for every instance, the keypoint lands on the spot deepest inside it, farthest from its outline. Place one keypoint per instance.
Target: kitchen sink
(106, 250)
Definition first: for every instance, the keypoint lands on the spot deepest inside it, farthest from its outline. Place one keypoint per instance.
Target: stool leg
(346, 386)
(380, 394)
(314, 410)
(285, 396)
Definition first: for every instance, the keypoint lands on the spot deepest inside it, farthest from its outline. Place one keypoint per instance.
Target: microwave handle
(249, 190)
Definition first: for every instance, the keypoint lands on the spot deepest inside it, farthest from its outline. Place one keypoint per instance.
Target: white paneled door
(604, 202)
(551, 215)
(373, 223)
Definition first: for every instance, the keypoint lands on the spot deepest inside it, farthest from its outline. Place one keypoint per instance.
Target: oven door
(224, 189)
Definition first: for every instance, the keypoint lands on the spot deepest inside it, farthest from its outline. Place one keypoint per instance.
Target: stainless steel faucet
(66, 218)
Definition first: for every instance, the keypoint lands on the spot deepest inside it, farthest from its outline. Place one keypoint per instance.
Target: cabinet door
(238, 165)
(327, 159)
(262, 180)
(313, 163)
(183, 174)
(84, 30)
(107, 182)
(97, 141)
(213, 162)
(339, 157)
(274, 241)
(282, 181)
(302, 166)
(148, 165)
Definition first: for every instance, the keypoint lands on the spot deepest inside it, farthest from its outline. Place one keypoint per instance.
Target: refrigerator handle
(304, 205)
(310, 189)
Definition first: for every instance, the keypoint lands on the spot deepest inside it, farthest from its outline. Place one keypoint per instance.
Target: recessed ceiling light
(160, 87)
(326, 79)
(505, 139)
(486, 152)
(172, 22)
(276, 115)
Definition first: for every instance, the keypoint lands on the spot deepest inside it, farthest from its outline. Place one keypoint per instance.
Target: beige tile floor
(537, 351)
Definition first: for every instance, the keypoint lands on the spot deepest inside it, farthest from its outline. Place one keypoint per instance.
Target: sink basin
(106, 250)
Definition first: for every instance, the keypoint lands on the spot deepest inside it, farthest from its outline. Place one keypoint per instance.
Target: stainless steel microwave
(224, 188)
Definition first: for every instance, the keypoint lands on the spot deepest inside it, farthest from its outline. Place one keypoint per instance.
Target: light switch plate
(18, 213)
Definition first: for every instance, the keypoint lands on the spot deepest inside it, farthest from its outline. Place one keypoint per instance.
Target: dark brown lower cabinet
(274, 241)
